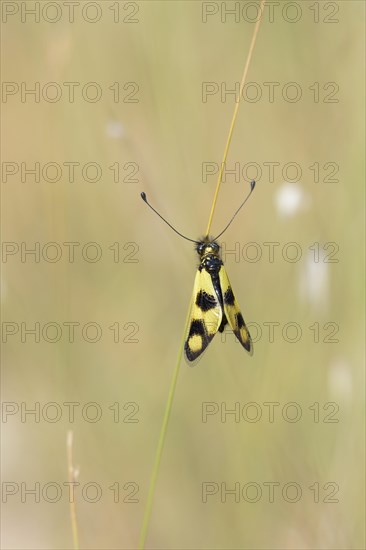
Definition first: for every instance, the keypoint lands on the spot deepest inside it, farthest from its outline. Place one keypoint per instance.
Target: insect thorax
(209, 253)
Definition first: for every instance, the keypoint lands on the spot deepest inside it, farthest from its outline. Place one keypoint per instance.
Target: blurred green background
(168, 52)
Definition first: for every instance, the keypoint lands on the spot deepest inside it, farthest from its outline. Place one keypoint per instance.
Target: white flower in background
(291, 199)
(115, 130)
(340, 381)
(314, 281)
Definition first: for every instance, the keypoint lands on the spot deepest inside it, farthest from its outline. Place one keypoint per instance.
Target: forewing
(205, 317)
(233, 313)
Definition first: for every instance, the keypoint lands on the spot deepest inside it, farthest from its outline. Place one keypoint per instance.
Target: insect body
(213, 304)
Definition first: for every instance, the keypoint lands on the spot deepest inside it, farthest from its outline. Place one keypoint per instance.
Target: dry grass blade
(72, 474)
(168, 407)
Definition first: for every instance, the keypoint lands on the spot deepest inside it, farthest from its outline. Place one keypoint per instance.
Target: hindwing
(233, 313)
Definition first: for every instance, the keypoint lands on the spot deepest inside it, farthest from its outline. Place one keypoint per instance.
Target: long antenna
(252, 185)
(144, 198)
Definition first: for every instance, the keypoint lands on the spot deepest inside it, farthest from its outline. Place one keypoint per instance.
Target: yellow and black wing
(232, 312)
(205, 317)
